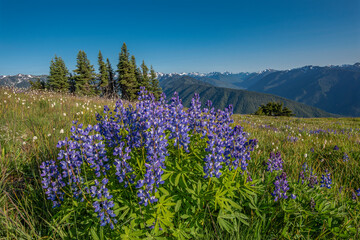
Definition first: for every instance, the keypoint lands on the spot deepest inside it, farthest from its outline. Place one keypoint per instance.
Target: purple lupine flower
(248, 179)
(312, 180)
(354, 197)
(194, 111)
(102, 205)
(292, 139)
(312, 204)
(123, 169)
(52, 181)
(89, 147)
(302, 173)
(281, 187)
(155, 143)
(275, 162)
(306, 174)
(237, 148)
(326, 180)
(336, 148)
(148, 126)
(345, 157)
(178, 123)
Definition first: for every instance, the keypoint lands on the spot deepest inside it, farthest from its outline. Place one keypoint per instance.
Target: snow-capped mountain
(19, 80)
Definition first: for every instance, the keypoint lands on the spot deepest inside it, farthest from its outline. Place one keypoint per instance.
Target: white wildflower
(62, 131)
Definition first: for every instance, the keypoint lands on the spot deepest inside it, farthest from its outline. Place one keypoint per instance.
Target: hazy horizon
(96, 70)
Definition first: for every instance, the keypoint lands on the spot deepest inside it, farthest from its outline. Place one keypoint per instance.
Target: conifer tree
(112, 87)
(155, 87)
(127, 81)
(145, 80)
(103, 76)
(58, 77)
(72, 83)
(37, 84)
(85, 77)
(137, 72)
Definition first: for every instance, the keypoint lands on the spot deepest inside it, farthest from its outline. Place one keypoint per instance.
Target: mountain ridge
(243, 101)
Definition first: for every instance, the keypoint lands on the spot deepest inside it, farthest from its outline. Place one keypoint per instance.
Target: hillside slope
(244, 102)
(333, 89)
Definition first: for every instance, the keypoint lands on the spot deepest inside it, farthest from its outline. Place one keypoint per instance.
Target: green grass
(31, 123)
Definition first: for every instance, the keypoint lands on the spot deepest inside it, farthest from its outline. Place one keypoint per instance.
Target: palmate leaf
(222, 200)
(131, 234)
(164, 216)
(182, 232)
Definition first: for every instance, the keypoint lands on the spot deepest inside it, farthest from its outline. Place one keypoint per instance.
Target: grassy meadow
(31, 124)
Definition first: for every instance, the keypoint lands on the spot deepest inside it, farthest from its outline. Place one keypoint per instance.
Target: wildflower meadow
(93, 168)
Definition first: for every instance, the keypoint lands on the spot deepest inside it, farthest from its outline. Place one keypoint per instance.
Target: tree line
(84, 81)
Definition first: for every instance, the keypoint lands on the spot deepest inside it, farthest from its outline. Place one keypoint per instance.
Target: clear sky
(180, 36)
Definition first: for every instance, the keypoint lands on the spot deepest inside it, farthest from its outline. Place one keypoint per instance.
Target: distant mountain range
(19, 80)
(243, 101)
(335, 89)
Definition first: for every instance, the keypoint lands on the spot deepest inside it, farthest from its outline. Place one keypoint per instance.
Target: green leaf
(185, 216)
(224, 224)
(94, 234)
(178, 205)
(124, 214)
(66, 217)
(166, 176)
(164, 191)
(177, 179)
(150, 221)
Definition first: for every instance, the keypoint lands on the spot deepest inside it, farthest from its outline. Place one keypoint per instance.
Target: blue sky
(180, 36)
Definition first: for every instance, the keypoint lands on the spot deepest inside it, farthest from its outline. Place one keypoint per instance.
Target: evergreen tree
(145, 80)
(85, 77)
(72, 84)
(127, 80)
(112, 87)
(137, 72)
(37, 84)
(104, 76)
(155, 87)
(58, 77)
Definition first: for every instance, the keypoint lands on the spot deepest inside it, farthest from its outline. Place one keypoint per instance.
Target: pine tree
(112, 87)
(127, 80)
(37, 84)
(145, 81)
(137, 72)
(58, 77)
(72, 84)
(104, 76)
(85, 77)
(155, 87)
